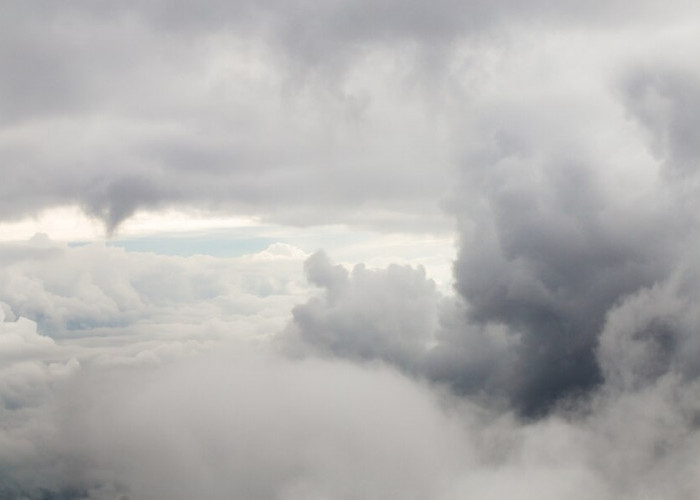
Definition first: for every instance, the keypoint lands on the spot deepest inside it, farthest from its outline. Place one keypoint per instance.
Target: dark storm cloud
(558, 228)
(653, 333)
(550, 314)
(549, 263)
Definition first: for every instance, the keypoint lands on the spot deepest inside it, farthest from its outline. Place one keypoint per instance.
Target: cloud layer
(279, 108)
(244, 421)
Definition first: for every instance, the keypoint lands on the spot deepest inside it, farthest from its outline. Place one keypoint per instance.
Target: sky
(349, 249)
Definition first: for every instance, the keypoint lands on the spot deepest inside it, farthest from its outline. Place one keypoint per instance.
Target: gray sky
(349, 249)
(308, 112)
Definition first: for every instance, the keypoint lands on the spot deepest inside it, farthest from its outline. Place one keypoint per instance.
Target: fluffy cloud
(100, 295)
(570, 276)
(367, 314)
(246, 422)
(238, 418)
(396, 316)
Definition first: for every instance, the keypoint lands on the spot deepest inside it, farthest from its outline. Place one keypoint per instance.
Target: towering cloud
(569, 206)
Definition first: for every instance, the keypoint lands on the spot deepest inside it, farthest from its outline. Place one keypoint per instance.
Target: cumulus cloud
(395, 316)
(561, 221)
(101, 290)
(367, 314)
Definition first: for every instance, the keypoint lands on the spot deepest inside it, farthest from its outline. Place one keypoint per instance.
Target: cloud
(150, 107)
(560, 138)
(560, 223)
(263, 108)
(548, 262)
(663, 100)
(98, 290)
(555, 304)
(245, 421)
(20, 339)
(333, 417)
(652, 335)
(386, 314)
(141, 419)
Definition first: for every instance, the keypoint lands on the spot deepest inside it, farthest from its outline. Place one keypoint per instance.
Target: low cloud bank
(248, 422)
(96, 290)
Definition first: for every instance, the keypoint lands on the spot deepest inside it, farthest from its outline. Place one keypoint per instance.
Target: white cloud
(97, 290)
(246, 422)
(19, 339)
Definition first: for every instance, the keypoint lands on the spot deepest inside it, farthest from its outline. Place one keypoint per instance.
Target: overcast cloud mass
(557, 142)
